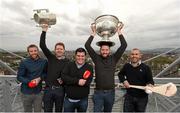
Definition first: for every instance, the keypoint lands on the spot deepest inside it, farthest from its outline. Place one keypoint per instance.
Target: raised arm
(122, 48)
(88, 47)
(42, 43)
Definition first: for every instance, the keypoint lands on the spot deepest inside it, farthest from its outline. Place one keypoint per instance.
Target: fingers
(93, 28)
(148, 88)
(120, 26)
(126, 84)
(148, 91)
(82, 82)
(44, 27)
(93, 24)
(150, 85)
(36, 80)
(60, 81)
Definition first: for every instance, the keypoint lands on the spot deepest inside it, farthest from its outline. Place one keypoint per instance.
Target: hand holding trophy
(106, 26)
(120, 26)
(44, 27)
(93, 28)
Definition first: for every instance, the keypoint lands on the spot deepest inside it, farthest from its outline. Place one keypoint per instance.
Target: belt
(105, 91)
(53, 87)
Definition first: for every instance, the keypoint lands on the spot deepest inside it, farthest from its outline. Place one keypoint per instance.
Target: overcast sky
(148, 24)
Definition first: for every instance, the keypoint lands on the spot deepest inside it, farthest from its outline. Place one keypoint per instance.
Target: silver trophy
(43, 16)
(106, 27)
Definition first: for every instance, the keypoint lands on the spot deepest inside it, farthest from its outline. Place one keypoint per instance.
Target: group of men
(67, 83)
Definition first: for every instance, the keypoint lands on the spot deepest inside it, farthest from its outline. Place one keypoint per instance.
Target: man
(77, 76)
(54, 91)
(31, 72)
(135, 73)
(105, 64)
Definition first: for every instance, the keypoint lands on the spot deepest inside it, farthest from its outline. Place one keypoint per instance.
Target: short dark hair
(80, 50)
(31, 46)
(59, 43)
(105, 43)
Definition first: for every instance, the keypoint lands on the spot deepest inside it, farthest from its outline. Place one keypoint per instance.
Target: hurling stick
(168, 89)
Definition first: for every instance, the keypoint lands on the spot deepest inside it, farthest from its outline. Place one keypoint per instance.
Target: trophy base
(109, 43)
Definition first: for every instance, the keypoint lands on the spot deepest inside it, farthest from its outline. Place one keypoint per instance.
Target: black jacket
(71, 75)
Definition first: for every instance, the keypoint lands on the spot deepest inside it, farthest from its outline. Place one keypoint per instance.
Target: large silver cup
(106, 27)
(43, 16)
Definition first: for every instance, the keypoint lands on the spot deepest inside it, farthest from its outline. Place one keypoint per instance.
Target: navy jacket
(30, 69)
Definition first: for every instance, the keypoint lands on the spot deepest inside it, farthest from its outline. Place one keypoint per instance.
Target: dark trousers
(103, 100)
(135, 104)
(80, 106)
(53, 96)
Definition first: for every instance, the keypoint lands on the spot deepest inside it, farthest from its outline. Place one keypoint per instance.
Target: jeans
(80, 106)
(135, 104)
(103, 100)
(32, 102)
(53, 96)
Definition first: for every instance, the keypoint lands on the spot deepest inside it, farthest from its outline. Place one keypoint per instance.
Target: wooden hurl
(168, 89)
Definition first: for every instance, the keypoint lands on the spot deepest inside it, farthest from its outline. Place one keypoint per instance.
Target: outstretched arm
(42, 43)
(88, 47)
(122, 48)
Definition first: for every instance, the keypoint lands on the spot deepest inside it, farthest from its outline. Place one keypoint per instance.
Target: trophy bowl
(106, 26)
(42, 16)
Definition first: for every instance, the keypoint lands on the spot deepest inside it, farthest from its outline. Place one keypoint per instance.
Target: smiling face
(135, 56)
(33, 52)
(80, 58)
(59, 50)
(105, 51)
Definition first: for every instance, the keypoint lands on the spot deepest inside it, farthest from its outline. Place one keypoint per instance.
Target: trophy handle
(39, 10)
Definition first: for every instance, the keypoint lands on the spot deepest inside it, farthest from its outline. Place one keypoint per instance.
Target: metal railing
(10, 97)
